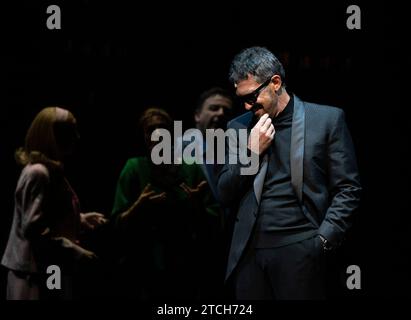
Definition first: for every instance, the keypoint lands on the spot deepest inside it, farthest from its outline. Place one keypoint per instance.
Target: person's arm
(344, 183)
(232, 182)
(127, 190)
(130, 202)
(91, 220)
(147, 196)
(198, 190)
(31, 199)
(35, 220)
(232, 185)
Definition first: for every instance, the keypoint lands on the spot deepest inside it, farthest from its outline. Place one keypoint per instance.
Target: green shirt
(137, 173)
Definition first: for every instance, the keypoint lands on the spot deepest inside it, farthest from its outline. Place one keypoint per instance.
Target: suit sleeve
(35, 220)
(232, 183)
(344, 183)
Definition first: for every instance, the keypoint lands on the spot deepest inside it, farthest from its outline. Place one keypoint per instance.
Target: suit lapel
(297, 155)
(297, 148)
(296, 151)
(259, 179)
(245, 122)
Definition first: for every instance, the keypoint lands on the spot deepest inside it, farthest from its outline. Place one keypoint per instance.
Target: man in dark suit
(299, 203)
(214, 108)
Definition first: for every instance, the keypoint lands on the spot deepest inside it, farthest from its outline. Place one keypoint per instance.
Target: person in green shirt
(166, 219)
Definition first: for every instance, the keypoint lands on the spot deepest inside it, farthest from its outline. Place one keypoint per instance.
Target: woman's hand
(147, 196)
(91, 220)
(194, 193)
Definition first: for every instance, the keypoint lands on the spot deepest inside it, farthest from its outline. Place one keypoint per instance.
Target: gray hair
(258, 62)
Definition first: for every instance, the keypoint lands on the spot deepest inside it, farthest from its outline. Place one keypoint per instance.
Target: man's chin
(215, 125)
(259, 113)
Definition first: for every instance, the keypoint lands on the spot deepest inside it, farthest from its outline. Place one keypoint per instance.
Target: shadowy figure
(47, 221)
(163, 214)
(215, 107)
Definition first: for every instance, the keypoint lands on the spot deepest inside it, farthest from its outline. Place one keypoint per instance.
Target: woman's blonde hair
(40, 143)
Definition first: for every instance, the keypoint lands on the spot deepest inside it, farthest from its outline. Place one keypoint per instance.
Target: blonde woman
(47, 219)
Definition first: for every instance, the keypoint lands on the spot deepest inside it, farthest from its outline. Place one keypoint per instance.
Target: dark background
(110, 61)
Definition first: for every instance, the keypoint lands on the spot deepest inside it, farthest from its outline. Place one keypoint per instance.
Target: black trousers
(292, 272)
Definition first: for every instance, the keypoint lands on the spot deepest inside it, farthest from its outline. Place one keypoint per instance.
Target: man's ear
(197, 116)
(276, 80)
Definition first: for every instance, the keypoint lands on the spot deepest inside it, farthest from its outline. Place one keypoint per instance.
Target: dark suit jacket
(324, 176)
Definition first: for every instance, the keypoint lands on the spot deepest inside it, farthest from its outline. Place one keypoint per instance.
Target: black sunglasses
(252, 97)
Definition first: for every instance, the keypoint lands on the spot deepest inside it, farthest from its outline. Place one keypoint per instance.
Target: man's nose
(220, 112)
